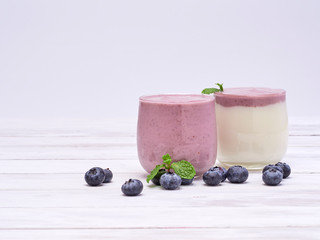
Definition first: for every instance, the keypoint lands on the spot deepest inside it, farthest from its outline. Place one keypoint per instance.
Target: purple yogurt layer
(250, 97)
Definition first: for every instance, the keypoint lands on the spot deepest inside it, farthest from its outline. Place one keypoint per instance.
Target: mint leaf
(154, 172)
(220, 86)
(167, 159)
(184, 169)
(213, 90)
(210, 90)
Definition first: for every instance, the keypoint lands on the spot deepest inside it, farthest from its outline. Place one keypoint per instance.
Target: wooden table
(44, 195)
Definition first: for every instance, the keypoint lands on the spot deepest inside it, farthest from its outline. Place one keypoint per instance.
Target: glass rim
(202, 98)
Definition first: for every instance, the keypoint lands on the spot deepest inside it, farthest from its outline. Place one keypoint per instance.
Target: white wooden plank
(71, 141)
(112, 151)
(305, 130)
(105, 127)
(162, 216)
(48, 182)
(252, 233)
(70, 191)
(67, 166)
(105, 131)
(52, 152)
(304, 141)
(299, 164)
(109, 141)
(81, 128)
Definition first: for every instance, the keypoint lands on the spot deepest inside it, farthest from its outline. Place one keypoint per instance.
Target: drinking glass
(182, 125)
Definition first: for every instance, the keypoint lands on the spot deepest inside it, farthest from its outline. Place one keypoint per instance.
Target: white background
(93, 59)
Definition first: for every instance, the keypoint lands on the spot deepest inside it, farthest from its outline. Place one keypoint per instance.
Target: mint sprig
(182, 168)
(167, 160)
(213, 90)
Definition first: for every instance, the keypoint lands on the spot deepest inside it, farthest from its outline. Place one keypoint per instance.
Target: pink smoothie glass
(182, 125)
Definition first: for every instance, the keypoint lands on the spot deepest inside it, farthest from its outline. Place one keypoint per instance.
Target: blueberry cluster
(272, 175)
(96, 176)
(235, 174)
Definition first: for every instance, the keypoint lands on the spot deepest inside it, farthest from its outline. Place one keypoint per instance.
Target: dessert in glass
(252, 126)
(182, 125)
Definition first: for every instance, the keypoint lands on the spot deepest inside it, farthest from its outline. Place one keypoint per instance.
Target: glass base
(249, 166)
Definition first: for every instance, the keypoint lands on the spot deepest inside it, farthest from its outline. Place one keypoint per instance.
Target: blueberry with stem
(237, 174)
(272, 177)
(132, 187)
(286, 169)
(212, 178)
(170, 181)
(95, 176)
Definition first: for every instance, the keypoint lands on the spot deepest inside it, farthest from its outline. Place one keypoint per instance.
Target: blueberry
(95, 176)
(212, 178)
(272, 166)
(170, 181)
(286, 169)
(133, 187)
(185, 181)
(108, 175)
(237, 174)
(272, 177)
(156, 179)
(222, 170)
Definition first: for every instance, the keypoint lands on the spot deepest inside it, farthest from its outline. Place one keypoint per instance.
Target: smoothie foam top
(250, 97)
(176, 98)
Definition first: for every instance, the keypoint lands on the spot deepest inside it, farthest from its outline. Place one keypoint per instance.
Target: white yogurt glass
(252, 126)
